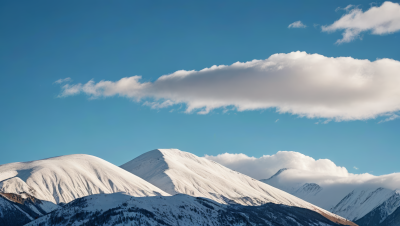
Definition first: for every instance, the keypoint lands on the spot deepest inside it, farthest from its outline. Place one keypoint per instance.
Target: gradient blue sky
(43, 41)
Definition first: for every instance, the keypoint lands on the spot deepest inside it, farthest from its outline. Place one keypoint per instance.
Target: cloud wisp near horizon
(308, 85)
(267, 165)
(381, 20)
(302, 169)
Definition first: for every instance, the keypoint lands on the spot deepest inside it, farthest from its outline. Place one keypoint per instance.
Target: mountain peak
(165, 168)
(16, 186)
(308, 189)
(174, 153)
(179, 172)
(277, 173)
(65, 178)
(274, 176)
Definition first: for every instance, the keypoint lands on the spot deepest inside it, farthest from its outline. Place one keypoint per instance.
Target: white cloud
(158, 105)
(267, 165)
(326, 121)
(347, 8)
(69, 90)
(304, 169)
(336, 182)
(390, 118)
(309, 85)
(379, 20)
(277, 120)
(129, 87)
(59, 81)
(297, 24)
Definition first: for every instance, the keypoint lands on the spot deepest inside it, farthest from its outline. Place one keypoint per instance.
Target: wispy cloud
(347, 8)
(277, 120)
(379, 20)
(158, 105)
(297, 24)
(69, 90)
(59, 81)
(355, 168)
(309, 85)
(390, 118)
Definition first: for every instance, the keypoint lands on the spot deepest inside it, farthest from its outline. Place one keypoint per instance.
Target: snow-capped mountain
(361, 202)
(19, 209)
(66, 178)
(178, 172)
(308, 189)
(32, 189)
(16, 186)
(120, 209)
(306, 185)
(300, 191)
(277, 173)
(386, 214)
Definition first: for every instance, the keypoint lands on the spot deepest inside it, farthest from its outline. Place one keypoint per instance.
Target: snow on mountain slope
(392, 220)
(385, 213)
(120, 209)
(65, 178)
(353, 198)
(308, 189)
(178, 172)
(331, 191)
(17, 186)
(361, 201)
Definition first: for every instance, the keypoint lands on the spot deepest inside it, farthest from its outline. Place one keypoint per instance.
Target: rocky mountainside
(19, 209)
(120, 209)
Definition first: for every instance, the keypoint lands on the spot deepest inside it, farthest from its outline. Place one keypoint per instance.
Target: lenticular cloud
(310, 85)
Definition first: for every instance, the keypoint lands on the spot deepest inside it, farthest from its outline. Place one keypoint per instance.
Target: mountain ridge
(120, 209)
(181, 172)
(64, 178)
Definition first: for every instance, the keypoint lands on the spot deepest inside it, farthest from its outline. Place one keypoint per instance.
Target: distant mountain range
(366, 204)
(160, 187)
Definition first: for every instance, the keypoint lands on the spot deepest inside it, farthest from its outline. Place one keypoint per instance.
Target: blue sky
(43, 41)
